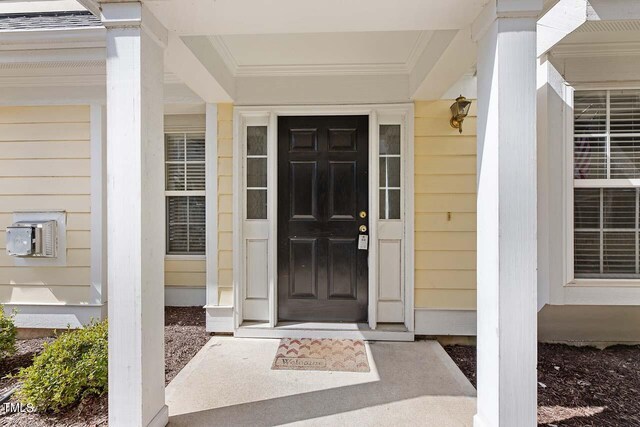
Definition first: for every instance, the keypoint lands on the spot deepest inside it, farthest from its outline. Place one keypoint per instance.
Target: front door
(323, 201)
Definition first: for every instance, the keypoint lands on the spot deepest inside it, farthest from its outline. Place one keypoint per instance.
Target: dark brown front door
(322, 188)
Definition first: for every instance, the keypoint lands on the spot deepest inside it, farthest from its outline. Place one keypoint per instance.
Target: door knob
(363, 214)
(363, 228)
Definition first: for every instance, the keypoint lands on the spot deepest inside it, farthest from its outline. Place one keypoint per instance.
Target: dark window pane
(590, 158)
(625, 157)
(389, 139)
(389, 204)
(185, 225)
(177, 239)
(195, 176)
(257, 172)
(197, 239)
(257, 140)
(197, 210)
(174, 147)
(625, 111)
(586, 212)
(619, 253)
(590, 112)
(586, 253)
(389, 172)
(256, 204)
(177, 209)
(195, 147)
(175, 176)
(619, 207)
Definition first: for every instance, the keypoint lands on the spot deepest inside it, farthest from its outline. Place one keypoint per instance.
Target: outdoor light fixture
(459, 111)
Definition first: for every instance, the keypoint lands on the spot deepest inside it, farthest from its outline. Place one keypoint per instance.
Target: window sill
(185, 257)
(612, 283)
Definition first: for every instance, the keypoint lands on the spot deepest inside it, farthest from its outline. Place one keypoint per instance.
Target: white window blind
(185, 193)
(606, 187)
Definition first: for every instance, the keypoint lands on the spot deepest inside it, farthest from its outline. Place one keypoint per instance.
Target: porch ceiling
(206, 17)
(363, 52)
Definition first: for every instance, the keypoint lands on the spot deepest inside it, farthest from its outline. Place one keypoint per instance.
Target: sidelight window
(256, 172)
(390, 162)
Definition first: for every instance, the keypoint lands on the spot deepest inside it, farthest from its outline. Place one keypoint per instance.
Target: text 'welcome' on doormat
(306, 354)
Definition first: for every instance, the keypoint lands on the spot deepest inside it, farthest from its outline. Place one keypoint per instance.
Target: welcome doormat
(306, 354)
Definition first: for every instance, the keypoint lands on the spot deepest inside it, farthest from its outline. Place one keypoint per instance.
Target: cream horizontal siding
(225, 203)
(445, 208)
(185, 272)
(45, 165)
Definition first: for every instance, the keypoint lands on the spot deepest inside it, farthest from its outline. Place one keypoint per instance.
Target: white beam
(180, 60)
(613, 10)
(559, 21)
(456, 60)
(135, 196)
(507, 215)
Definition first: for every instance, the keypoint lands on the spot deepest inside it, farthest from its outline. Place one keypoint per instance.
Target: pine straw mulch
(184, 335)
(578, 386)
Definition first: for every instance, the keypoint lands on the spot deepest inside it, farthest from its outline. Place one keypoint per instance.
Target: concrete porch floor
(230, 383)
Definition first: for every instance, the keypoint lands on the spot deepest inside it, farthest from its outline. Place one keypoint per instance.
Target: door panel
(322, 186)
(304, 190)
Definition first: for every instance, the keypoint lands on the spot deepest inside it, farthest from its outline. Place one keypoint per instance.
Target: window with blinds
(185, 193)
(606, 184)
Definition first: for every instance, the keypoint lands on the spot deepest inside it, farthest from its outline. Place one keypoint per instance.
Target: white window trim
(590, 291)
(201, 193)
(244, 115)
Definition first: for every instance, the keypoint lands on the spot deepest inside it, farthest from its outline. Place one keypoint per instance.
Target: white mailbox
(32, 239)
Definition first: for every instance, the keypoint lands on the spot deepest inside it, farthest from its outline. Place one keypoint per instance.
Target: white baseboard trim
(184, 296)
(219, 318)
(429, 321)
(55, 316)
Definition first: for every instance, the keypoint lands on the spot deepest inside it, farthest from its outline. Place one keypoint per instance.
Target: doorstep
(384, 331)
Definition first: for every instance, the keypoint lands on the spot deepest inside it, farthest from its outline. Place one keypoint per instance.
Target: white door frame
(268, 115)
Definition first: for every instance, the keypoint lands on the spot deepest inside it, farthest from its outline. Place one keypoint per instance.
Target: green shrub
(7, 334)
(70, 368)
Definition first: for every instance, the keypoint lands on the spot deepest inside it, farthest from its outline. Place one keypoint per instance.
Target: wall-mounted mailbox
(32, 239)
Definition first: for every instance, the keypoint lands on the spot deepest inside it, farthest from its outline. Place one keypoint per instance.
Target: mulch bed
(578, 386)
(184, 335)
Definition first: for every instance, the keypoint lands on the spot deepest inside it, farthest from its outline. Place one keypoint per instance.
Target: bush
(7, 335)
(69, 369)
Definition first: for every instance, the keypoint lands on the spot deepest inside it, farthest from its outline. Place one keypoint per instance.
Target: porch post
(136, 243)
(507, 213)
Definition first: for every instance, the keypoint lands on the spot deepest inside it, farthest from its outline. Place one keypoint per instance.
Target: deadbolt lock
(363, 214)
(363, 228)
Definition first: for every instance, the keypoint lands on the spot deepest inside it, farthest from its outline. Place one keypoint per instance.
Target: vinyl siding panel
(45, 165)
(445, 208)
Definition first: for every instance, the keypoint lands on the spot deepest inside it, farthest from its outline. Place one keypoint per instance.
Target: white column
(136, 228)
(507, 254)
(99, 278)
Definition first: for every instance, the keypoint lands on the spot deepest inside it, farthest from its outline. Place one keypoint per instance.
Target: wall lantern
(459, 111)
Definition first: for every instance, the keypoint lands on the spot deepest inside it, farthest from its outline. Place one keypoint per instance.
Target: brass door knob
(363, 228)
(363, 214)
